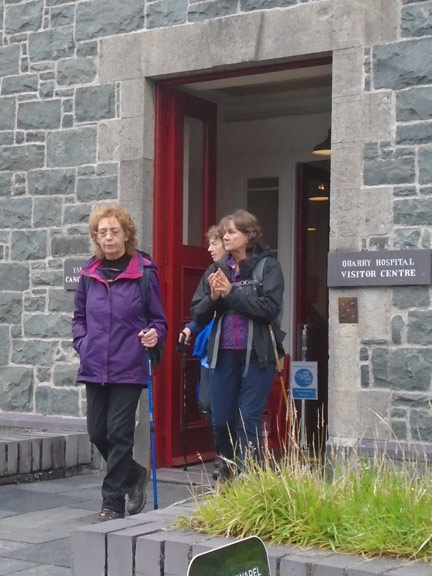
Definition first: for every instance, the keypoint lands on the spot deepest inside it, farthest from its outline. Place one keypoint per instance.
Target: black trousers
(111, 412)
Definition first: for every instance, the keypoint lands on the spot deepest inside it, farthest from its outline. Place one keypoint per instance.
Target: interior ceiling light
(324, 147)
(320, 195)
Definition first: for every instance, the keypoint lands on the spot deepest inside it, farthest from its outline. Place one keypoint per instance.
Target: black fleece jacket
(262, 304)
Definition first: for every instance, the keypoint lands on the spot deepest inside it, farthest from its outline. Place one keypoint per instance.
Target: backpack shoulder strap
(257, 275)
(144, 284)
(257, 272)
(86, 280)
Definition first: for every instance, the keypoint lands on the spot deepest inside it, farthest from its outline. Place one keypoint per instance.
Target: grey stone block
(7, 113)
(29, 245)
(104, 18)
(3, 462)
(334, 565)
(247, 5)
(71, 147)
(208, 9)
(39, 115)
(64, 375)
(46, 454)
(51, 400)
(25, 17)
(402, 65)
(14, 275)
(24, 157)
(275, 555)
(16, 389)
(88, 552)
(294, 566)
(397, 171)
(17, 84)
(96, 189)
(9, 60)
(95, 103)
(76, 71)
(122, 545)
(62, 246)
(149, 554)
(36, 454)
(46, 213)
(62, 15)
(412, 569)
(166, 13)
(12, 457)
(24, 456)
(84, 449)
(10, 307)
(51, 44)
(49, 183)
(178, 552)
(71, 451)
(38, 325)
(377, 566)
(415, 20)
(77, 214)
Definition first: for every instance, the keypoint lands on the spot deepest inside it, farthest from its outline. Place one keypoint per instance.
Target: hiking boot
(108, 514)
(137, 496)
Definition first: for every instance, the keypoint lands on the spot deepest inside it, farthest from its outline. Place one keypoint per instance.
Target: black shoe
(108, 514)
(137, 496)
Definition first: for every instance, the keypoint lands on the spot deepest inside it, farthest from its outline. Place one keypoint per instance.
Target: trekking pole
(182, 346)
(152, 429)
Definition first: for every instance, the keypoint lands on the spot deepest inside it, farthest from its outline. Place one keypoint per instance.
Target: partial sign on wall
(381, 268)
(71, 273)
(247, 557)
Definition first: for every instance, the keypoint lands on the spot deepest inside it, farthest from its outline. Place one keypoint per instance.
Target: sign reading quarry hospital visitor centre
(381, 268)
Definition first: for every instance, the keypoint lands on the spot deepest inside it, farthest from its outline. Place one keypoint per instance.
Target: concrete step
(28, 454)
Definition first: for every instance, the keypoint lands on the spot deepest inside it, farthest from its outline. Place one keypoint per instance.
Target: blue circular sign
(303, 377)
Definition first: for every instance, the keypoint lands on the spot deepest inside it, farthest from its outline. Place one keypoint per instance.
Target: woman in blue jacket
(112, 327)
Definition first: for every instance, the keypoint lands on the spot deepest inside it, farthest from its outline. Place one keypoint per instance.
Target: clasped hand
(219, 284)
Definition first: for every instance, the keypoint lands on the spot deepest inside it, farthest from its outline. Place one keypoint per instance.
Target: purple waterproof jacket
(108, 319)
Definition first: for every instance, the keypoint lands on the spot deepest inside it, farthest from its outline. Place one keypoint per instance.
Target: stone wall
(53, 113)
(400, 363)
(77, 126)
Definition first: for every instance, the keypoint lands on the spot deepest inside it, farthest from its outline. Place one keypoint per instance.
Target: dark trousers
(111, 412)
(238, 402)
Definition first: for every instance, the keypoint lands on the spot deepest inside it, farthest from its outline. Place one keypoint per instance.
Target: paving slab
(58, 552)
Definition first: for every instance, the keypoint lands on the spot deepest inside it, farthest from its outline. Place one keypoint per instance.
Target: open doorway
(267, 123)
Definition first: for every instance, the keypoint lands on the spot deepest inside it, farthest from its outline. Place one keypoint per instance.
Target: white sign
(304, 380)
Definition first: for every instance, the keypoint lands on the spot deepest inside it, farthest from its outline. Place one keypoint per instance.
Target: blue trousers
(111, 426)
(238, 403)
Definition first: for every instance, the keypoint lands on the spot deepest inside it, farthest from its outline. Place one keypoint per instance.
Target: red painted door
(184, 210)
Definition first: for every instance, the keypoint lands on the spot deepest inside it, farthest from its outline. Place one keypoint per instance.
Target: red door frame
(163, 213)
(173, 264)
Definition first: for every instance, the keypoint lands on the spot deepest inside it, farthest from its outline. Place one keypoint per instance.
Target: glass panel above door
(193, 181)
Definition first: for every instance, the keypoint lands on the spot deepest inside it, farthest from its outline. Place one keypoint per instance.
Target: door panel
(185, 188)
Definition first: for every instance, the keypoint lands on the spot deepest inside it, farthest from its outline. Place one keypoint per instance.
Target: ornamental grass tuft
(374, 506)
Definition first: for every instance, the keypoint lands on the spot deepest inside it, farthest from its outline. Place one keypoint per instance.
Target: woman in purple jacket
(112, 327)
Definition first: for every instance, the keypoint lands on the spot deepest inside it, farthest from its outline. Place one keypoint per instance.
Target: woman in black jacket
(244, 293)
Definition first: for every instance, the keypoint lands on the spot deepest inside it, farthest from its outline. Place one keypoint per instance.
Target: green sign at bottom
(246, 557)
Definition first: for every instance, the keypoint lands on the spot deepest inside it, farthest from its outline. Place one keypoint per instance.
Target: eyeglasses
(105, 231)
